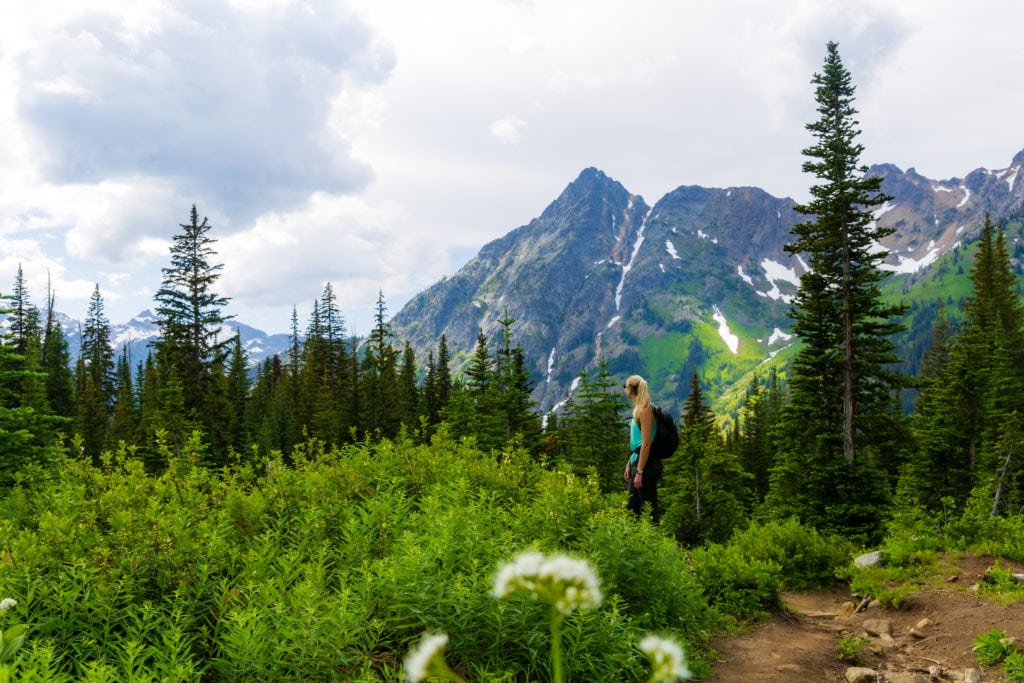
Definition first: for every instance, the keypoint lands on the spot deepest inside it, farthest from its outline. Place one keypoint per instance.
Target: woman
(642, 471)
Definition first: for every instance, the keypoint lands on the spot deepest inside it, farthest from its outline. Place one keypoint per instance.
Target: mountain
(698, 282)
(140, 331)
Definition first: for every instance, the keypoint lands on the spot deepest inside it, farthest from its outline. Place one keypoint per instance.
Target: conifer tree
(704, 484)
(97, 350)
(408, 393)
(513, 388)
(56, 363)
(18, 312)
(190, 320)
(189, 312)
(843, 427)
(27, 429)
(380, 376)
(238, 393)
(596, 428)
(125, 421)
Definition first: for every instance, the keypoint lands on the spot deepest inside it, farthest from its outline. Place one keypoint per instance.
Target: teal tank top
(636, 438)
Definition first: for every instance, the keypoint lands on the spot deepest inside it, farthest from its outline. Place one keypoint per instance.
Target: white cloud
(356, 140)
(508, 129)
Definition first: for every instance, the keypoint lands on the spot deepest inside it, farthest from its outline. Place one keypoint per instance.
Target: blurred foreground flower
(667, 660)
(564, 582)
(427, 659)
(6, 604)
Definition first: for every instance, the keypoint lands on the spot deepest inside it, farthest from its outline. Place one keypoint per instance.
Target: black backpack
(666, 437)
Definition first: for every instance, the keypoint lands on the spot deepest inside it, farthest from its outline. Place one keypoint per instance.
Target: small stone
(923, 624)
(860, 674)
(972, 676)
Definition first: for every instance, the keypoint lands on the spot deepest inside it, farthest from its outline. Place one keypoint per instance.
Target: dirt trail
(802, 646)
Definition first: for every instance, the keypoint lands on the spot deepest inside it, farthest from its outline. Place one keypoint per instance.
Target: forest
(182, 518)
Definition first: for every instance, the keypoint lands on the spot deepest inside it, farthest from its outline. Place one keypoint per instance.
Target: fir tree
(843, 428)
(56, 363)
(190, 320)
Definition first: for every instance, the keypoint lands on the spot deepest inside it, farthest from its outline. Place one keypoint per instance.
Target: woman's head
(636, 390)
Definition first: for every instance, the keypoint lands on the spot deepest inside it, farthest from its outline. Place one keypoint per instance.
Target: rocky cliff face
(700, 281)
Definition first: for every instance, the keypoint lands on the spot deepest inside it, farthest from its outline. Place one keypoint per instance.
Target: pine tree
(97, 351)
(842, 424)
(18, 311)
(190, 320)
(238, 393)
(125, 421)
(27, 430)
(513, 388)
(380, 376)
(56, 362)
(408, 393)
(598, 437)
(704, 484)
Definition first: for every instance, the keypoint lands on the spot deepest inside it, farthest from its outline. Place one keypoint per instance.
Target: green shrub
(735, 584)
(849, 648)
(1013, 666)
(806, 559)
(992, 647)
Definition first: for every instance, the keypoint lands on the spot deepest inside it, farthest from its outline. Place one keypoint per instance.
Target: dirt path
(802, 647)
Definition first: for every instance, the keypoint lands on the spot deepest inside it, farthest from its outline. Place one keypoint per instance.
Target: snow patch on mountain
(730, 339)
(704, 236)
(671, 249)
(967, 196)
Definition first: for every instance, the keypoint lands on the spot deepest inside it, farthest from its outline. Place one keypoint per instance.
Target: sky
(377, 145)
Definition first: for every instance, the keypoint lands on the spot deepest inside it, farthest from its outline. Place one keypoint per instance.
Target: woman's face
(629, 391)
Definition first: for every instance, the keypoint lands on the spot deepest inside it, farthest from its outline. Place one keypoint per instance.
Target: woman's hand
(638, 480)
(625, 474)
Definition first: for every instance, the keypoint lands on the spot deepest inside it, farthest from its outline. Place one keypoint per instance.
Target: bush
(992, 647)
(807, 560)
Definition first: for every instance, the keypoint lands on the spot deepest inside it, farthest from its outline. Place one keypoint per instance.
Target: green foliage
(849, 648)
(992, 647)
(1013, 666)
(1000, 585)
(740, 586)
(328, 567)
(807, 558)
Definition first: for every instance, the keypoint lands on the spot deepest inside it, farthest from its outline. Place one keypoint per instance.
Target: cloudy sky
(378, 144)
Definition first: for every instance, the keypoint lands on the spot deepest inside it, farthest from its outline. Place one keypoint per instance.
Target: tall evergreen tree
(380, 376)
(125, 421)
(56, 362)
(597, 433)
(704, 484)
(18, 312)
(97, 349)
(238, 393)
(190, 320)
(27, 429)
(842, 418)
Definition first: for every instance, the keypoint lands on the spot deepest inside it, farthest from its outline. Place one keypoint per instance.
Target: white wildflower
(565, 582)
(6, 604)
(418, 660)
(667, 660)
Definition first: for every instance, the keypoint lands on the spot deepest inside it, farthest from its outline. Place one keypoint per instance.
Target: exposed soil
(801, 645)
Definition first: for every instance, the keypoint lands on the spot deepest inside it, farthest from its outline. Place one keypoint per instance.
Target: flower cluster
(564, 582)
(6, 604)
(667, 660)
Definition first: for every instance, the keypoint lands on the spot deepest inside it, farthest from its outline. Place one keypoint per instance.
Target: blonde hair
(640, 394)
